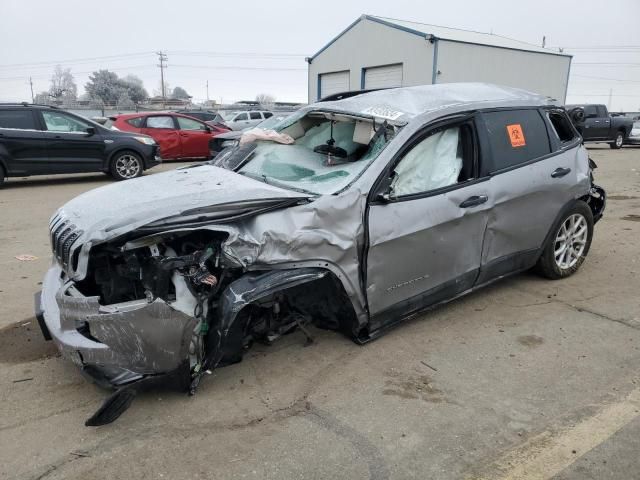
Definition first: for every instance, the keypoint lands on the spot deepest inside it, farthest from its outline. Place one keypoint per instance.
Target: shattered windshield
(319, 153)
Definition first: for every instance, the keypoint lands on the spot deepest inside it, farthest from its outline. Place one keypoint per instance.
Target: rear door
(425, 239)
(71, 148)
(164, 130)
(194, 138)
(531, 181)
(23, 148)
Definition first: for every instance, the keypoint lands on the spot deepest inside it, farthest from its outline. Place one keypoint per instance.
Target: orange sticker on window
(515, 135)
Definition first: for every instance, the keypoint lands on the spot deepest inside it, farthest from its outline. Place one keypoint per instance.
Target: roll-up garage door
(383, 77)
(336, 82)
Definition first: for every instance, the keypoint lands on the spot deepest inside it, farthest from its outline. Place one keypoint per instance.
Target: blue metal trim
(557, 54)
(424, 35)
(373, 19)
(396, 26)
(310, 59)
(362, 74)
(566, 85)
(434, 70)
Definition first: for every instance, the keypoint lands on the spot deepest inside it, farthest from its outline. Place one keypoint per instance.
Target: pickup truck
(595, 124)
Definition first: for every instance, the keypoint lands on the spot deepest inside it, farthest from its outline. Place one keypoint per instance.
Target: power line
(127, 68)
(605, 78)
(234, 67)
(162, 58)
(237, 54)
(612, 64)
(77, 60)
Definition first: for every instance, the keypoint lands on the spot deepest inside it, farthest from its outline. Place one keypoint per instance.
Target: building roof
(408, 102)
(450, 34)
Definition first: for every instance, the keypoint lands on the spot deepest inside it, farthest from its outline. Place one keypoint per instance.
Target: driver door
(70, 148)
(194, 138)
(425, 235)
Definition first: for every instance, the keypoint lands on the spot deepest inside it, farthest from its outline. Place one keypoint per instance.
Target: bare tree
(265, 100)
(63, 88)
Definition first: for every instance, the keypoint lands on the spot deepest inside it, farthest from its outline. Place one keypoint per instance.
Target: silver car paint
(328, 232)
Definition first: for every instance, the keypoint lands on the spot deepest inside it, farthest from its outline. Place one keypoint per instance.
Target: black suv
(44, 140)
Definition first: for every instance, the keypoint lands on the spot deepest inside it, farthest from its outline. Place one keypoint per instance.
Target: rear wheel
(569, 245)
(126, 165)
(617, 143)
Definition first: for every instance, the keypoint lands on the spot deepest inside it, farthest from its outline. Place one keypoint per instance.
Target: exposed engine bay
(189, 273)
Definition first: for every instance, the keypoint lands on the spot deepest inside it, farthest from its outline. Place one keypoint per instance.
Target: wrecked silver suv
(352, 216)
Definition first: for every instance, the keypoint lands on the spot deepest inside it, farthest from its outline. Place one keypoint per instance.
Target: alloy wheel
(571, 241)
(127, 166)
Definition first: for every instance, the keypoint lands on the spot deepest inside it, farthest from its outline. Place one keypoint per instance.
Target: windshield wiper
(263, 178)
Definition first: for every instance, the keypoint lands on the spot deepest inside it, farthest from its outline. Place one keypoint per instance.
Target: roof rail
(26, 104)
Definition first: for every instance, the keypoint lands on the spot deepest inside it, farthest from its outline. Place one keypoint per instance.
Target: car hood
(199, 193)
(230, 135)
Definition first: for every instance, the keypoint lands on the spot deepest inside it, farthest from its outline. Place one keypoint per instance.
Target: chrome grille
(63, 236)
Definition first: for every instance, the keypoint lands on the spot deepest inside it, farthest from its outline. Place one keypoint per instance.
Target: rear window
(515, 137)
(561, 126)
(135, 122)
(267, 114)
(255, 116)
(20, 119)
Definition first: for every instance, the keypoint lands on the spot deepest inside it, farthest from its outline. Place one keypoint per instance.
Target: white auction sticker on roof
(383, 112)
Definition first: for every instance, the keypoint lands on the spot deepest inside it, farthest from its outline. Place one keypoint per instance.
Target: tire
(2, 175)
(618, 142)
(126, 165)
(579, 219)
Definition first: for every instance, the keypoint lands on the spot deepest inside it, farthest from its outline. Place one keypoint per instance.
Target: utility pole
(31, 85)
(544, 41)
(207, 92)
(163, 58)
(610, 95)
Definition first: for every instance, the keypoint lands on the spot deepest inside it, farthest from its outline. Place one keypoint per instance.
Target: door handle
(560, 172)
(474, 201)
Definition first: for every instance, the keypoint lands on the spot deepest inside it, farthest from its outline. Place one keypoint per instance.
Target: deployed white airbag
(256, 134)
(433, 163)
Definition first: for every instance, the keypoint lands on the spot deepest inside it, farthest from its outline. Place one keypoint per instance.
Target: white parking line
(548, 453)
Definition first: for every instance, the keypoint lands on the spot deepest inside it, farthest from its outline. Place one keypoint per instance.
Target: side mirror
(91, 130)
(207, 129)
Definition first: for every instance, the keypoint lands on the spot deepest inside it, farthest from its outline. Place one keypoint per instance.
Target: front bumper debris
(116, 344)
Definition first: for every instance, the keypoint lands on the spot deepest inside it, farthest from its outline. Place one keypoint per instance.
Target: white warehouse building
(378, 52)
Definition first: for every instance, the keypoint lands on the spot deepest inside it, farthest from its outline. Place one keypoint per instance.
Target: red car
(179, 136)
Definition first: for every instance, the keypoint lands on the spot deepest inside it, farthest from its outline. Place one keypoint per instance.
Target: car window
(19, 119)
(590, 111)
(602, 111)
(135, 122)
(61, 122)
(160, 122)
(241, 117)
(515, 137)
(255, 116)
(190, 124)
(437, 161)
(267, 114)
(561, 126)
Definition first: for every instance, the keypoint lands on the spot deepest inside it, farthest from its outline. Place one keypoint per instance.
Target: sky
(244, 48)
